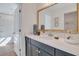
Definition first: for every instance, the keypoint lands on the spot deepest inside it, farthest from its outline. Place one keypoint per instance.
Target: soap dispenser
(43, 28)
(35, 29)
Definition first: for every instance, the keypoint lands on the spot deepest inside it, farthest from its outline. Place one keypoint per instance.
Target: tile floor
(7, 50)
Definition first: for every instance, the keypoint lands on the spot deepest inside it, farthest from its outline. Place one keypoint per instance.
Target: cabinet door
(43, 53)
(44, 47)
(34, 50)
(62, 53)
(28, 48)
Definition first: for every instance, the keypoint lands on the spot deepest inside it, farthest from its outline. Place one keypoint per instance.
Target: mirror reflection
(62, 16)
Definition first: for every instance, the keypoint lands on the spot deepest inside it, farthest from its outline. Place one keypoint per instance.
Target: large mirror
(59, 17)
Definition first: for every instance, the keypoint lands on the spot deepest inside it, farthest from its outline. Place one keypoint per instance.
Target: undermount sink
(43, 36)
(72, 41)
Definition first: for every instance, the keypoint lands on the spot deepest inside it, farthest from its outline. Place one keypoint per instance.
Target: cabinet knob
(38, 51)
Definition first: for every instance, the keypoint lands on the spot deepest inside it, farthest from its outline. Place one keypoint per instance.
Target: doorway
(9, 29)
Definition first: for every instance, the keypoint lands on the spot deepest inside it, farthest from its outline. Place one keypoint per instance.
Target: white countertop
(59, 44)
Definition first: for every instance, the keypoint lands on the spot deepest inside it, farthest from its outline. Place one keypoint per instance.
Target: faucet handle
(56, 37)
(68, 37)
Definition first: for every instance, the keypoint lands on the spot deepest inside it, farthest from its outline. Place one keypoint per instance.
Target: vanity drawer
(43, 46)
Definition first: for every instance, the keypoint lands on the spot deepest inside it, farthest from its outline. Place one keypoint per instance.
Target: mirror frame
(58, 30)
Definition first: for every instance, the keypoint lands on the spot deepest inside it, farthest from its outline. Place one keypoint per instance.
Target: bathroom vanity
(36, 46)
(61, 18)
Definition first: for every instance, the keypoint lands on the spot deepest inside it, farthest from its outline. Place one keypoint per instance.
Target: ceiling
(7, 8)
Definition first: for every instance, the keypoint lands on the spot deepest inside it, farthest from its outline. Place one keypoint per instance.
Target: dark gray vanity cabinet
(30, 49)
(34, 51)
(43, 53)
(40, 49)
(62, 53)
(35, 48)
(28, 46)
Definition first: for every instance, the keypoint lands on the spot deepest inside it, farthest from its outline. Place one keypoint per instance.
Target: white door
(17, 37)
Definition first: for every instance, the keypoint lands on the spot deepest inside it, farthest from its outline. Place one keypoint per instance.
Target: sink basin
(43, 36)
(72, 41)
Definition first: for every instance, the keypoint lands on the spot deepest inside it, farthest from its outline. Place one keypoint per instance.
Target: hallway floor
(8, 49)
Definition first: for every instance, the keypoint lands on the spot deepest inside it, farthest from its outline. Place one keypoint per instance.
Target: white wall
(42, 5)
(28, 19)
